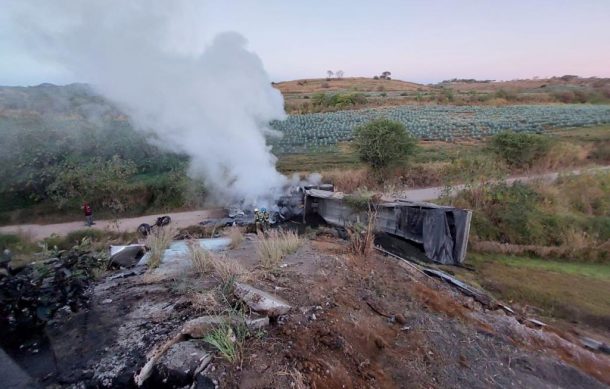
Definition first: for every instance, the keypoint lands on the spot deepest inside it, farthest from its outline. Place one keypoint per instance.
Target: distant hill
(75, 100)
(303, 96)
(348, 84)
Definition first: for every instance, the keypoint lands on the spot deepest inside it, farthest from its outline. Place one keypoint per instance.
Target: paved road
(185, 219)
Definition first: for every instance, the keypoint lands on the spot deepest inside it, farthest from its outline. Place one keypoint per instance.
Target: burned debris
(32, 295)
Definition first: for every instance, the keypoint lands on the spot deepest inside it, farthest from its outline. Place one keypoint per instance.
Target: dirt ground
(355, 323)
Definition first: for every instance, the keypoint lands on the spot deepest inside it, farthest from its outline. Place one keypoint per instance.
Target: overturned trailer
(441, 231)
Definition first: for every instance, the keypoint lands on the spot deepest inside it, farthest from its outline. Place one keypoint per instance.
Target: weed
(158, 241)
(229, 339)
(223, 339)
(362, 237)
(271, 249)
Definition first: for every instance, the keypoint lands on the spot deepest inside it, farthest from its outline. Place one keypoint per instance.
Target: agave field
(321, 131)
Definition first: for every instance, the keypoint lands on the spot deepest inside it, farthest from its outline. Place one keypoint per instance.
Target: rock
(400, 319)
(126, 256)
(178, 365)
(199, 327)
(257, 324)
(260, 301)
(203, 382)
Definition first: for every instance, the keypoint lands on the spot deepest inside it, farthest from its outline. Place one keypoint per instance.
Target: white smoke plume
(212, 101)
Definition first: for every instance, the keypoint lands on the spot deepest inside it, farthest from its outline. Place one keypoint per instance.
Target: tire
(144, 229)
(163, 221)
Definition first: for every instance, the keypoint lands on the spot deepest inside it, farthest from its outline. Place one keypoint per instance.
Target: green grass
(341, 157)
(565, 290)
(593, 270)
(584, 134)
(224, 341)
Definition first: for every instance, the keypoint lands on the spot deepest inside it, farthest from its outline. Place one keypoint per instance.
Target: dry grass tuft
(362, 237)
(201, 258)
(236, 236)
(158, 241)
(275, 246)
(349, 180)
(561, 155)
(208, 262)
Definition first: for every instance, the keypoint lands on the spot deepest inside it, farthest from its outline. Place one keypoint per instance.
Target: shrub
(520, 149)
(274, 247)
(601, 152)
(506, 95)
(383, 142)
(17, 243)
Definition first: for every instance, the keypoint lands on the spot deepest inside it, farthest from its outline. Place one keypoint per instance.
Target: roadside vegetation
(568, 219)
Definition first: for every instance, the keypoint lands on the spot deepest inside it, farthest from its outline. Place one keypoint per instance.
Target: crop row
(319, 131)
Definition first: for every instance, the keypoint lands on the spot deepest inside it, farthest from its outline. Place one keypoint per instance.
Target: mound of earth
(354, 322)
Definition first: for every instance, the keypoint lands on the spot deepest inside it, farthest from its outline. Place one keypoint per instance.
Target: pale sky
(421, 41)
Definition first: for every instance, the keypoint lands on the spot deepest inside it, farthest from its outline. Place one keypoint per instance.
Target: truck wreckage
(439, 233)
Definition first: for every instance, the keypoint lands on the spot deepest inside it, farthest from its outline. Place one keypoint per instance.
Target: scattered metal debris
(595, 345)
(468, 290)
(126, 256)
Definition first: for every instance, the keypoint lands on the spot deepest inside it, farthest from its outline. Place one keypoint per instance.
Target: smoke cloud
(208, 98)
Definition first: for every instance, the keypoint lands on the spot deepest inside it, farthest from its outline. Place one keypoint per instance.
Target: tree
(98, 181)
(339, 74)
(385, 75)
(520, 149)
(383, 142)
(330, 73)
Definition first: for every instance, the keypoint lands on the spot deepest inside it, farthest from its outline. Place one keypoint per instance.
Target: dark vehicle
(146, 228)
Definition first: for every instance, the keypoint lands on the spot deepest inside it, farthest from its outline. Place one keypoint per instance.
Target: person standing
(88, 214)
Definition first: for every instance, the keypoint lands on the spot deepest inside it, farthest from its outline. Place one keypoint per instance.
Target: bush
(338, 100)
(601, 152)
(520, 149)
(383, 142)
